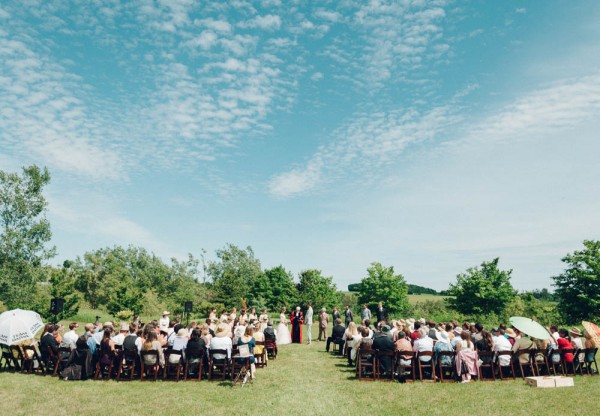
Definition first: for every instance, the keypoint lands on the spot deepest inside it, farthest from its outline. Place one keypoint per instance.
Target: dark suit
(383, 342)
(349, 316)
(48, 340)
(381, 315)
(337, 336)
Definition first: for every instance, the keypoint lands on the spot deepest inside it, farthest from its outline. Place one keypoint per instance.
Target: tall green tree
(383, 285)
(24, 235)
(319, 290)
(482, 290)
(233, 275)
(578, 286)
(275, 288)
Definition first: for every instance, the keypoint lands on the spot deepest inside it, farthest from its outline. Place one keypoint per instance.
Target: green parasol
(530, 327)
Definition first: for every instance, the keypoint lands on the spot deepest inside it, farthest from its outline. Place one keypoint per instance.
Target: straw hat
(124, 327)
(510, 333)
(442, 336)
(575, 331)
(166, 313)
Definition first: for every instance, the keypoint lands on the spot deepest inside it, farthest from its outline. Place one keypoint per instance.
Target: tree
(578, 287)
(482, 290)
(275, 288)
(383, 285)
(234, 274)
(317, 289)
(24, 234)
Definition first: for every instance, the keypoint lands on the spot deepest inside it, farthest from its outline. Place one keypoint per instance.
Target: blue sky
(427, 135)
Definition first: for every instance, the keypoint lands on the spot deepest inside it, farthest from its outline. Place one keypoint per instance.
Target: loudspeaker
(188, 307)
(57, 305)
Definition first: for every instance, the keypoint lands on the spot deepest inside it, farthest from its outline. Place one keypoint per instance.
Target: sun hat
(124, 327)
(108, 324)
(442, 336)
(458, 330)
(166, 313)
(575, 331)
(509, 332)
(422, 321)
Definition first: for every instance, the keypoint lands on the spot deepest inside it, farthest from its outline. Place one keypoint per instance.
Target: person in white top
(221, 342)
(70, 338)
(501, 344)
(423, 344)
(163, 323)
(123, 332)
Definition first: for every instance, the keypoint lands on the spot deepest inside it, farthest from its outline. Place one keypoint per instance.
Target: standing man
(365, 313)
(348, 315)
(381, 313)
(308, 319)
(323, 322)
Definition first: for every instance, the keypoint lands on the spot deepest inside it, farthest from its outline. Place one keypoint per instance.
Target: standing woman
(253, 317)
(263, 318)
(283, 333)
(224, 316)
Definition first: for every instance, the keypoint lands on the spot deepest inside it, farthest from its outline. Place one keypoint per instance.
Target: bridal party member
(297, 320)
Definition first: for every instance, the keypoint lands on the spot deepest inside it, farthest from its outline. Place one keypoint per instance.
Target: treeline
(130, 280)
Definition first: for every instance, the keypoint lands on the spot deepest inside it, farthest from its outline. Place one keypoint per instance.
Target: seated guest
(133, 340)
(151, 343)
(564, 343)
(384, 342)
(501, 344)
(403, 344)
(179, 344)
(70, 338)
(355, 344)
(248, 339)
(123, 332)
(367, 324)
(523, 342)
(337, 334)
(107, 348)
(577, 342)
(476, 332)
(443, 344)
(349, 335)
(47, 342)
(414, 335)
(466, 354)
(432, 332)
(221, 342)
(270, 332)
(423, 344)
(196, 346)
(510, 335)
(485, 344)
(259, 336)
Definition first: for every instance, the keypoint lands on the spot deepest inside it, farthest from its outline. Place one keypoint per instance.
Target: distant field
(422, 298)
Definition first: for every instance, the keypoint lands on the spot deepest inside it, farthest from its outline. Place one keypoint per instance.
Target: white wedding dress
(283, 333)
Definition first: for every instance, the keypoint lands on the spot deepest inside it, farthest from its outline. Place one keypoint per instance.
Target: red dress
(565, 344)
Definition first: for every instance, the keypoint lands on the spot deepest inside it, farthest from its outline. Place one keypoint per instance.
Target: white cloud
(521, 10)
(296, 181)
(269, 22)
(317, 76)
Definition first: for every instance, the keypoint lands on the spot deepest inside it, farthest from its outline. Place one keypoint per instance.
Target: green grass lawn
(303, 380)
(412, 299)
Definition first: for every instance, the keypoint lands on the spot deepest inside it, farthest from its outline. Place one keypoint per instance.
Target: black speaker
(57, 305)
(188, 307)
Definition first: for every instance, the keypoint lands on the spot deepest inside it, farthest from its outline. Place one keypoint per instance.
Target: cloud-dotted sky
(427, 135)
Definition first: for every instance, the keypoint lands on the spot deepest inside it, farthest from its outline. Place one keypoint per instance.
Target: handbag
(72, 372)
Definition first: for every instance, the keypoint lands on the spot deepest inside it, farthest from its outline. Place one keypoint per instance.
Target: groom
(309, 321)
(297, 320)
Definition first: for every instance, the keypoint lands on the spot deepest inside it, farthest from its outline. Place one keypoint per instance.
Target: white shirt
(119, 338)
(423, 344)
(221, 343)
(163, 323)
(70, 337)
(502, 344)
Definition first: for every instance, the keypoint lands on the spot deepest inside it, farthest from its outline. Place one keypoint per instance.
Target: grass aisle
(304, 380)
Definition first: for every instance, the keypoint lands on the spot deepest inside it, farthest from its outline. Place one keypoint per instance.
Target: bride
(283, 333)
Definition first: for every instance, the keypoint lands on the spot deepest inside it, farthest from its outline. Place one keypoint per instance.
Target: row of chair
(408, 365)
(128, 364)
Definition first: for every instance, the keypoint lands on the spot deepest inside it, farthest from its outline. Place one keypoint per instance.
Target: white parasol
(19, 325)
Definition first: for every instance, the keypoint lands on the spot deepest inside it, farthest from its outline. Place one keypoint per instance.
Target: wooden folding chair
(381, 356)
(17, 355)
(565, 364)
(502, 369)
(217, 365)
(401, 368)
(194, 364)
(51, 361)
(540, 363)
(271, 347)
(172, 369)
(555, 360)
(260, 360)
(526, 368)
(31, 358)
(149, 370)
(240, 370)
(367, 362)
(589, 359)
(128, 364)
(426, 365)
(446, 373)
(487, 363)
(7, 361)
(63, 355)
